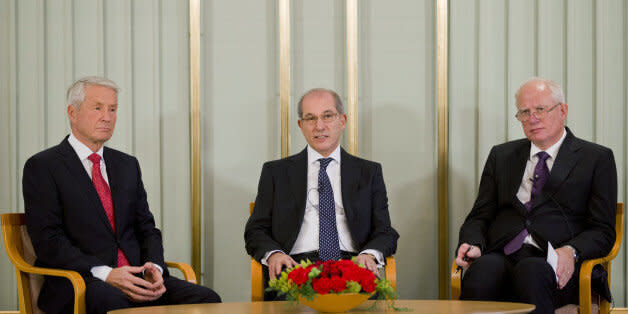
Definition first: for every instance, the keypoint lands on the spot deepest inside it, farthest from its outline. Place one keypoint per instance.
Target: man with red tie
(86, 210)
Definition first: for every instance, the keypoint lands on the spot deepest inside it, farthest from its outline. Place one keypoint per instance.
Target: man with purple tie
(550, 188)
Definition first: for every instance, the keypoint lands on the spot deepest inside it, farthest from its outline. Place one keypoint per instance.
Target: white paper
(552, 258)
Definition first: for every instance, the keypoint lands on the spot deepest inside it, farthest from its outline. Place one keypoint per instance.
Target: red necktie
(105, 198)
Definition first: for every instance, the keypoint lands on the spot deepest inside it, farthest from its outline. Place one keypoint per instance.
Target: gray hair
(555, 89)
(76, 92)
(338, 102)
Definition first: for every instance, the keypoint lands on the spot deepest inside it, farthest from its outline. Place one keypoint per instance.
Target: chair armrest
(257, 281)
(390, 271)
(78, 284)
(188, 272)
(456, 281)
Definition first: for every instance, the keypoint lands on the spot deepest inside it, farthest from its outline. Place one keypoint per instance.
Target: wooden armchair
(257, 276)
(20, 251)
(586, 304)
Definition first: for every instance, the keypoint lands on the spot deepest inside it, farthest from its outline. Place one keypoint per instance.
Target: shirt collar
(81, 149)
(313, 156)
(552, 150)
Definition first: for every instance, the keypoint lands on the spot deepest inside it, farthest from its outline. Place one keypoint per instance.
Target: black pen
(464, 258)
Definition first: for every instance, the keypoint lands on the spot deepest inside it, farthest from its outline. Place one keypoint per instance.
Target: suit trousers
(101, 297)
(524, 276)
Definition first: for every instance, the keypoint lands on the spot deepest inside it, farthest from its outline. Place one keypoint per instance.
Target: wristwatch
(575, 252)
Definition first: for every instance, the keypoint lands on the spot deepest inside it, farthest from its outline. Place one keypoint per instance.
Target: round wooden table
(418, 306)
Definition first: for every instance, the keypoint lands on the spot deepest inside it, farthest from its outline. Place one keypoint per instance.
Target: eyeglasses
(326, 118)
(539, 113)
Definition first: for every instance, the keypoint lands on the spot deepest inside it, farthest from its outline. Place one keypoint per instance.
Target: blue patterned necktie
(328, 244)
(541, 174)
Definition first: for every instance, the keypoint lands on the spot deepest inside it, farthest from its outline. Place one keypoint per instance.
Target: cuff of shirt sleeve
(264, 260)
(101, 272)
(378, 256)
(161, 270)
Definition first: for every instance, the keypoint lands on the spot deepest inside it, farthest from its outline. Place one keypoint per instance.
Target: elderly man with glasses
(304, 210)
(549, 192)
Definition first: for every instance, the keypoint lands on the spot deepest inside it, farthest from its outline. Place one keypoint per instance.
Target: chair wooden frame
(585, 270)
(11, 233)
(257, 275)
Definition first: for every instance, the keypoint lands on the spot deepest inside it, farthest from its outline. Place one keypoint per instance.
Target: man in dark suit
(86, 210)
(549, 188)
(321, 203)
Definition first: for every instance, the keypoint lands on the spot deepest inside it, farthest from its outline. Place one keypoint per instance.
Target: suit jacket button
(528, 223)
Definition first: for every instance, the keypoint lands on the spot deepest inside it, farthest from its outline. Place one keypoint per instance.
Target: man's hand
(369, 261)
(470, 251)
(565, 267)
(277, 261)
(135, 288)
(153, 275)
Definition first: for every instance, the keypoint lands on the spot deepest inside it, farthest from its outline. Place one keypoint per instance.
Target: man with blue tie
(322, 203)
(550, 190)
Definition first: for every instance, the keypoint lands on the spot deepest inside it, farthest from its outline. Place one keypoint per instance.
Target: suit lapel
(115, 177)
(297, 175)
(84, 183)
(349, 178)
(565, 161)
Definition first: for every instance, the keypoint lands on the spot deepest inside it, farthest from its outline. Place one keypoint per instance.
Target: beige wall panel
(8, 173)
(175, 130)
(58, 68)
(580, 82)
(88, 37)
(118, 60)
(610, 104)
(624, 176)
(240, 131)
(551, 40)
(463, 112)
(397, 128)
(146, 98)
(493, 99)
(522, 57)
(318, 55)
(29, 85)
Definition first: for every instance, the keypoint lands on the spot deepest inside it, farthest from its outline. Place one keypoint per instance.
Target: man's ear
(71, 112)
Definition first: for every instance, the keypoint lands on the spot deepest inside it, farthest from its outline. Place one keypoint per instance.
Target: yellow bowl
(335, 302)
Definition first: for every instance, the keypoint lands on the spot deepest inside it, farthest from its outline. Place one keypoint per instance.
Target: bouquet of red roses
(343, 276)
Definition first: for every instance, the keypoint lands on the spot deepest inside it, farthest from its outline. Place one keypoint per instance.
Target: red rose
(338, 284)
(368, 286)
(299, 275)
(321, 285)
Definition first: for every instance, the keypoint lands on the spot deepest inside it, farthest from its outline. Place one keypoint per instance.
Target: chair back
(19, 248)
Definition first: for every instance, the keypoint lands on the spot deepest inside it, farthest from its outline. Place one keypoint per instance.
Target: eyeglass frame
(312, 120)
(535, 113)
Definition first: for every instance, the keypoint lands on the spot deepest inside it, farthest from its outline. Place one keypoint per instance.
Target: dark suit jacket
(577, 205)
(67, 222)
(281, 200)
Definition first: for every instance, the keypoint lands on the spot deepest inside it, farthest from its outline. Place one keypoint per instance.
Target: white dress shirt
(307, 240)
(83, 152)
(525, 189)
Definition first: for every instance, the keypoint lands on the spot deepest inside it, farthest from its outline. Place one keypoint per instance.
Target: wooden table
(419, 306)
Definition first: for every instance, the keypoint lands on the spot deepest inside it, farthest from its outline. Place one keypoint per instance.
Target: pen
(464, 258)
